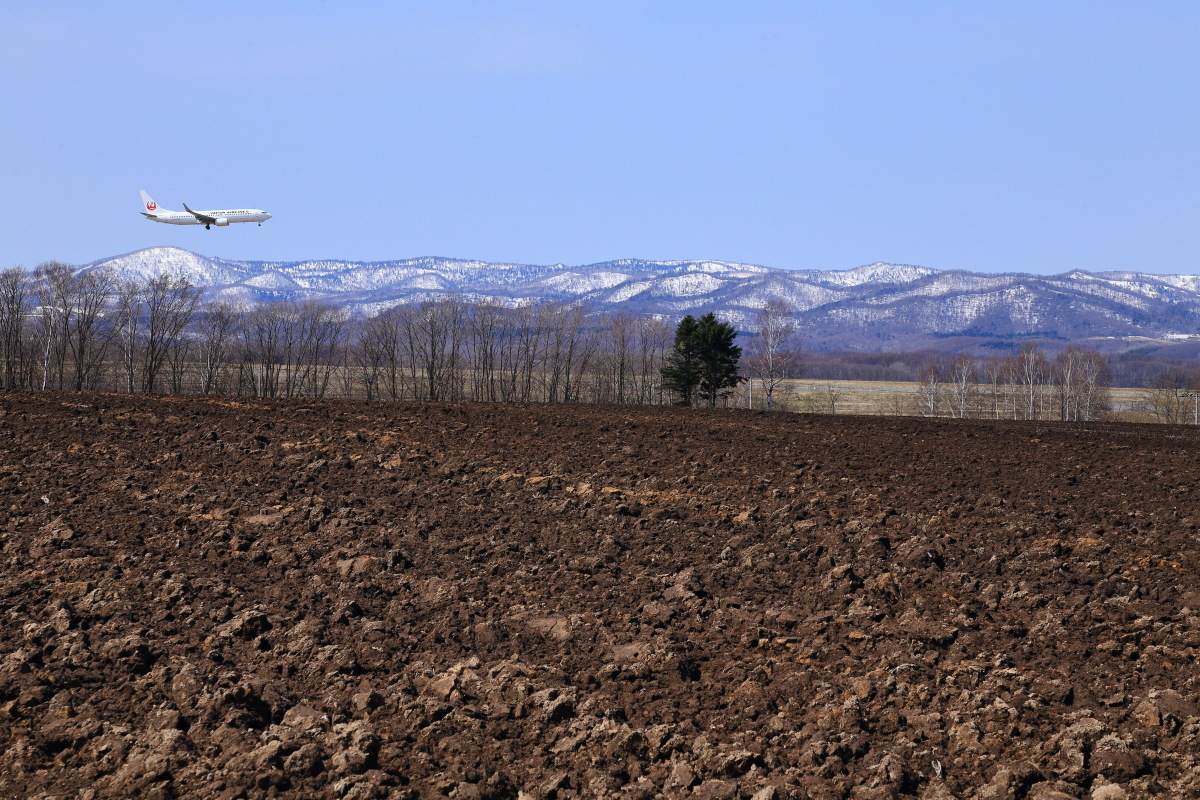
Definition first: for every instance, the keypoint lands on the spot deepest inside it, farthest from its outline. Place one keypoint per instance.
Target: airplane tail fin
(148, 203)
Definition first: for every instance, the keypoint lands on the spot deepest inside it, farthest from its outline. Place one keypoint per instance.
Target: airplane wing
(205, 218)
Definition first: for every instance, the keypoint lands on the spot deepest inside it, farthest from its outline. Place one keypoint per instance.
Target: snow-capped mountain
(875, 307)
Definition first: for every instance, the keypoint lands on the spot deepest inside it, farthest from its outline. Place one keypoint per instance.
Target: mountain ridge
(878, 306)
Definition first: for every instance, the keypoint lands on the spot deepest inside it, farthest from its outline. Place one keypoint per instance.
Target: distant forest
(1134, 369)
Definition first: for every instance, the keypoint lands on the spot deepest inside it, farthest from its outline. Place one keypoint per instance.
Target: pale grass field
(890, 398)
(812, 396)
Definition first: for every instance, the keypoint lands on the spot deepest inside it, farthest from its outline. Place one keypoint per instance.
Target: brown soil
(209, 598)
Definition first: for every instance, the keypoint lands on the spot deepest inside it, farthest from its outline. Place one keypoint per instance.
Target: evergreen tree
(703, 365)
(681, 374)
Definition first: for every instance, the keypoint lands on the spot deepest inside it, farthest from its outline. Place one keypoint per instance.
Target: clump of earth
(212, 598)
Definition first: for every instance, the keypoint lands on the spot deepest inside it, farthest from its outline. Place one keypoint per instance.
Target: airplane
(206, 218)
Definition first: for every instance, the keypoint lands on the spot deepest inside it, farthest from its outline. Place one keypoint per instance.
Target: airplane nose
(268, 216)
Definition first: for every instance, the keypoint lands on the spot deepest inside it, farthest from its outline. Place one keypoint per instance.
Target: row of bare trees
(66, 329)
(449, 350)
(1173, 396)
(1027, 385)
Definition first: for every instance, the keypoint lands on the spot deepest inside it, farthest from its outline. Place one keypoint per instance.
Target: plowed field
(215, 598)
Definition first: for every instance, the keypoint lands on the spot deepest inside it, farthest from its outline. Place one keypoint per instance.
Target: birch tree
(1031, 371)
(773, 357)
(963, 379)
(55, 300)
(929, 390)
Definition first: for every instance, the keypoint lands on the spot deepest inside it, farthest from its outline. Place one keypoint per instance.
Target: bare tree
(1169, 396)
(963, 379)
(615, 356)
(334, 341)
(345, 363)
(393, 355)
(129, 306)
(1094, 381)
(93, 327)
(264, 348)
(16, 294)
(773, 356)
(434, 334)
(822, 399)
(369, 354)
(486, 329)
(568, 351)
(179, 357)
(292, 348)
(322, 337)
(996, 377)
(73, 327)
(654, 340)
(169, 304)
(929, 390)
(582, 360)
(1080, 378)
(521, 352)
(292, 325)
(55, 299)
(1031, 372)
(219, 325)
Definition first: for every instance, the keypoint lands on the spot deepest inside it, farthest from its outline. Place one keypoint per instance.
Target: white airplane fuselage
(218, 217)
(222, 217)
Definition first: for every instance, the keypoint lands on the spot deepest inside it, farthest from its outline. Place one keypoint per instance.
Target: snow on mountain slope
(142, 265)
(581, 283)
(271, 280)
(1190, 283)
(628, 291)
(873, 273)
(799, 295)
(717, 268)
(688, 285)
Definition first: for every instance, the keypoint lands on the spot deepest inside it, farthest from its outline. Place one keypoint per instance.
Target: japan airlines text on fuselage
(206, 218)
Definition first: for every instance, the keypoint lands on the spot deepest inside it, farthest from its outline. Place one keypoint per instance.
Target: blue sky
(992, 136)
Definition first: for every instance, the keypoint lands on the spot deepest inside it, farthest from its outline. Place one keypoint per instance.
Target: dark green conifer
(703, 365)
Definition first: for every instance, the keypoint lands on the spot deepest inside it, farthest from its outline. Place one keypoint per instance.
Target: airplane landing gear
(207, 228)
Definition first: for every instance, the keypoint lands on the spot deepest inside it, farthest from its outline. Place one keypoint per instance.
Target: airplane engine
(221, 221)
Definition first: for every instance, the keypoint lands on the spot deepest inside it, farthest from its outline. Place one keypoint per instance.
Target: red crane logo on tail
(151, 205)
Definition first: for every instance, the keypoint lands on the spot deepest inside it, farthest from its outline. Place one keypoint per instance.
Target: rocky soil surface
(212, 598)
